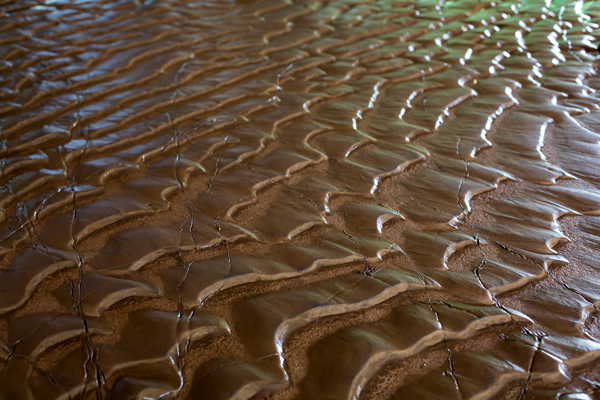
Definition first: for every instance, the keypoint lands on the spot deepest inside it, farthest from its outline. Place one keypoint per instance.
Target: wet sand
(276, 199)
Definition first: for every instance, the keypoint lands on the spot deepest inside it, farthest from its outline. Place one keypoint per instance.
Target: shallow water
(299, 199)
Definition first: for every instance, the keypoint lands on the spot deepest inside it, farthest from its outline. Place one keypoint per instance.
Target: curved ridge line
(380, 359)
(561, 377)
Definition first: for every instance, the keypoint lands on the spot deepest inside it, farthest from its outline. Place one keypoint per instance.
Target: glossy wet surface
(299, 199)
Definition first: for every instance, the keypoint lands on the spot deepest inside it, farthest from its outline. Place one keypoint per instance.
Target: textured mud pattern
(276, 199)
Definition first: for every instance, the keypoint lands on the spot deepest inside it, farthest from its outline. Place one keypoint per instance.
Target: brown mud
(316, 199)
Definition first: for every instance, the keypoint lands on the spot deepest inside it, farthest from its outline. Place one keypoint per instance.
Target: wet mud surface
(339, 199)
